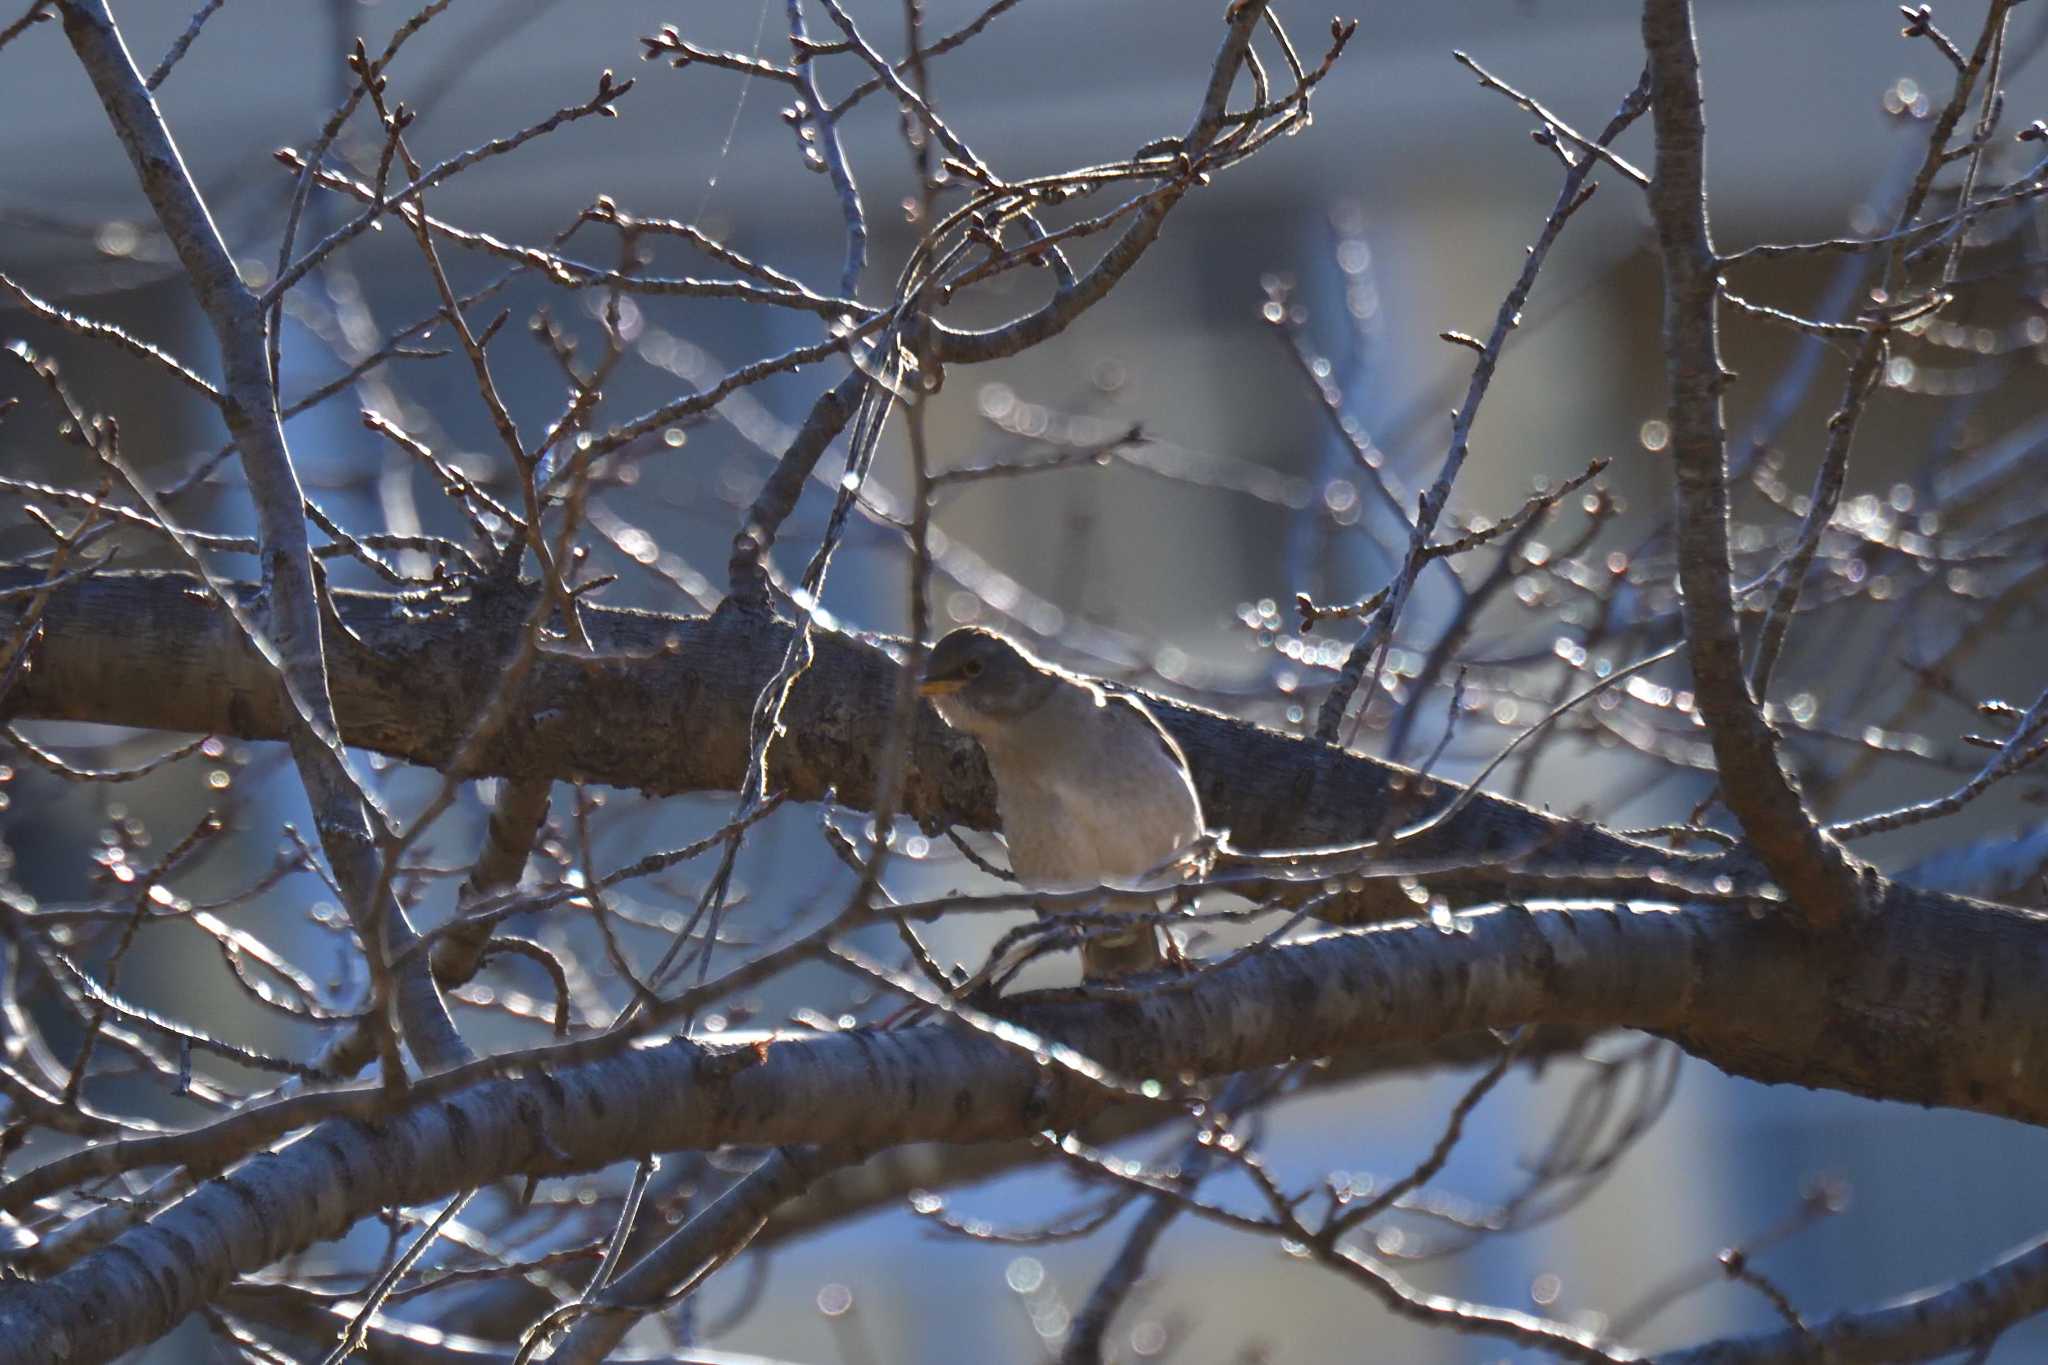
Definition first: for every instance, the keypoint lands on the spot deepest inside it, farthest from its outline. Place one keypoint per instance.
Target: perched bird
(1090, 789)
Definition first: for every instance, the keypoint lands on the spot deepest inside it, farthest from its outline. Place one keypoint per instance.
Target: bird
(1090, 788)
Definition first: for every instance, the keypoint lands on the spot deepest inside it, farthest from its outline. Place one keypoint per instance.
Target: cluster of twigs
(479, 943)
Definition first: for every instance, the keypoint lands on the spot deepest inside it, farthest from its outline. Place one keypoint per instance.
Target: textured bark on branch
(1778, 957)
(1934, 1006)
(1826, 881)
(1918, 1326)
(666, 710)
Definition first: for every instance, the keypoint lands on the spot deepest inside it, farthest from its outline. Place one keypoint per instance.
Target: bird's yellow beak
(940, 687)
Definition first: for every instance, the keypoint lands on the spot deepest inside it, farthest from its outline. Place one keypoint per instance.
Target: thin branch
(687, 1256)
(106, 331)
(183, 42)
(250, 409)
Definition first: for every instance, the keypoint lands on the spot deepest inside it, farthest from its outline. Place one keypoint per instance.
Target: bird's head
(978, 680)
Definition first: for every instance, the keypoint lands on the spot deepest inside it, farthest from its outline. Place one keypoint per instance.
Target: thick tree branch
(1933, 1006)
(891, 1177)
(1447, 915)
(154, 651)
(1824, 881)
(1934, 1322)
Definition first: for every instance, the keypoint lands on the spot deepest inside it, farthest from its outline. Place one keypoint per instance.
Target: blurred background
(1401, 213)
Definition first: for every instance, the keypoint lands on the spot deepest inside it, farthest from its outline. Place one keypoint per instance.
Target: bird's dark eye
(972, 668)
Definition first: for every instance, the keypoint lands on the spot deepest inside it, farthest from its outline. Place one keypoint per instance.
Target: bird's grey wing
(1168, 745)
(1122, 696)
(1172, 762)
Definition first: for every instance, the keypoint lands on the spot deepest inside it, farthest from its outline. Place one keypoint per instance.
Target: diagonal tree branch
(1068, 303)
(151, 650)
(1736, 989)
(1825, 882)
(248, 403)
(748, 572)
(682, 1259)
(1933, 1322)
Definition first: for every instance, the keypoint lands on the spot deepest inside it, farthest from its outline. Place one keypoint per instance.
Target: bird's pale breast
(1089, 793)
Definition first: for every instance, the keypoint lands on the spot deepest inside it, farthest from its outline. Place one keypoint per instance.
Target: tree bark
(1932, 1007)
(665, 709)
